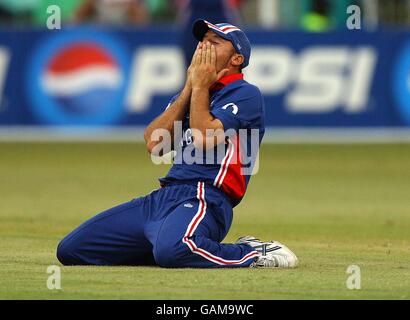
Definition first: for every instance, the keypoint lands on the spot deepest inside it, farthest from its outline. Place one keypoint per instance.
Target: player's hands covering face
(202, 71)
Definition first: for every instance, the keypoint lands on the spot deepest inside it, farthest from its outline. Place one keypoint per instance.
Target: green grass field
(333, 205)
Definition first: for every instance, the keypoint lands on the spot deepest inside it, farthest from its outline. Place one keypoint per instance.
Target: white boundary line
(272, 135)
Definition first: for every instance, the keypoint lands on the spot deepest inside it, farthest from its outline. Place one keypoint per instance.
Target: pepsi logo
(83, 77)
(77, 79)
(401, 83)
(408, 80)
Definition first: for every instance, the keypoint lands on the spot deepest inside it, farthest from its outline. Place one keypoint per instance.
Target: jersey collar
(225, 81)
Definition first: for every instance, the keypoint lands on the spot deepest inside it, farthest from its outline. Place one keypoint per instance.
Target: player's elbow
(158, 142)
(147, 135)
(149, 143)
(158, 148)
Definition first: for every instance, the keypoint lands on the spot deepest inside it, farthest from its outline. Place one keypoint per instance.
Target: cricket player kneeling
(182, 223)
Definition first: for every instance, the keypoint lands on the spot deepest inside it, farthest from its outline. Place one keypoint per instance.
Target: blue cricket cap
(226, 31)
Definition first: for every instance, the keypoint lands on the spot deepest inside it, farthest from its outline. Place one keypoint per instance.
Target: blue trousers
(177, 226)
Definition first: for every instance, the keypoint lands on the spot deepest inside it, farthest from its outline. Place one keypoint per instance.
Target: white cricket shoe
(273, 254)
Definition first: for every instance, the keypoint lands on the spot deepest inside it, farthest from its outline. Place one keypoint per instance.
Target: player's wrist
(199, 88)
(187, 86)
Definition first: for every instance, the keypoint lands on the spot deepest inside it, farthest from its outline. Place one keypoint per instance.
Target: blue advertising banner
(96, 77)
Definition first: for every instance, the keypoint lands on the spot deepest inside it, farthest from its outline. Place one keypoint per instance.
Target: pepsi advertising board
(96, 77)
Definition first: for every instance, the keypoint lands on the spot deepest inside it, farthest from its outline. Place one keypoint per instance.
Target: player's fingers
(213, 55)
(198, 46)
(208, 53)
(200, 50)
(198, 55)
(205, 57)
(194, 55)
(203, 60)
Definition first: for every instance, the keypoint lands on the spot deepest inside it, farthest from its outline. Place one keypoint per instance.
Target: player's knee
(65, 253)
